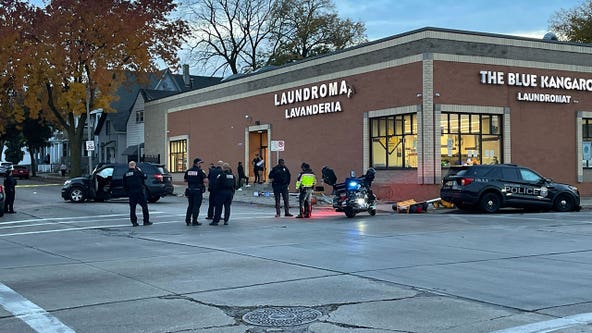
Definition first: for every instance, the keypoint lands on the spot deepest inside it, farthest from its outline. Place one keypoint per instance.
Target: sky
(384, 18)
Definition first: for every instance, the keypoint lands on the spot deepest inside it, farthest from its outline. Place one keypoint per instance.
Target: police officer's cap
(197, 160)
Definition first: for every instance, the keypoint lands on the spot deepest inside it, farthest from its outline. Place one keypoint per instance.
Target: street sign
(277, 145)
(90, 145)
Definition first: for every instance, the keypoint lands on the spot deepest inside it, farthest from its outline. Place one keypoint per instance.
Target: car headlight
(67, 182)
(573, 188)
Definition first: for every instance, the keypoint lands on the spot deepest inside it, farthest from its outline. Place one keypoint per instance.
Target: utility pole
(88, 151)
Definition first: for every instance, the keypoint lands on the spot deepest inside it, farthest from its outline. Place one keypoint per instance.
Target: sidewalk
(262, 194)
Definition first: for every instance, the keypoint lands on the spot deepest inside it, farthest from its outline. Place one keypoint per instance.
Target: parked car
(491, 187)
(5, 166)
(106, 182)
(20, 171)
(1, 200)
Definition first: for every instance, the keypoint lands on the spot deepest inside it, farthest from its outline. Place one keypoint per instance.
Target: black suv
(491, 187)
(106, 182)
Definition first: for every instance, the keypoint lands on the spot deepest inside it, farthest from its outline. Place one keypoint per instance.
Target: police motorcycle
(354, 195)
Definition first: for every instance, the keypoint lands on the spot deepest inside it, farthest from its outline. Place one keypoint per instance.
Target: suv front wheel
(564, 203)
(490, 202)
(77, 194)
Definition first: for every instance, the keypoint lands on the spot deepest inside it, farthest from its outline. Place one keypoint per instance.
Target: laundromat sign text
(313, 94)
(536, 81)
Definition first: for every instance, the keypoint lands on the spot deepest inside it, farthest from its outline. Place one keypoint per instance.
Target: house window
(139, 117)
(470, 139)
(178, 155)
(393, 141)
(587, 142)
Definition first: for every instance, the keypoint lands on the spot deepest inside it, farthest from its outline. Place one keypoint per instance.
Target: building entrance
(258, 144)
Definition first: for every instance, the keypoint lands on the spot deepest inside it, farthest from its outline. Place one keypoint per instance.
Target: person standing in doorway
(280, 181)
(224, 189)
(194, 177)
(257, 167)
(305, 184)
(10, 189)
(133, 183)
(212, 176)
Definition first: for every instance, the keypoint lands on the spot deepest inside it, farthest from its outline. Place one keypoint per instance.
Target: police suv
(106, 182)
(491, 187)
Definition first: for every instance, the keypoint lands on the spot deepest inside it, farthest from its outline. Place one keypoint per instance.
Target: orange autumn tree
(78, 51)
(14, 16)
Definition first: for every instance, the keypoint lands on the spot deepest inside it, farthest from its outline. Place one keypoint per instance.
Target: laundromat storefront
(410, 106)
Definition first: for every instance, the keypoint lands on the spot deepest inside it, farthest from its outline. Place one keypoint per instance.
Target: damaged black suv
(491, 187)
(106, 182)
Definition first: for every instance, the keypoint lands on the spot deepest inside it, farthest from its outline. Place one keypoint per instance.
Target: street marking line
(73, 218)
(80, 228)
(551, 325)
(37, 185)
(31, 314)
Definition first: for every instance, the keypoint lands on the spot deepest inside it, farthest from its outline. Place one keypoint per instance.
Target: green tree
(36, 135)
(575, 24)
(306, 28)
(75, 49)
(14, 145)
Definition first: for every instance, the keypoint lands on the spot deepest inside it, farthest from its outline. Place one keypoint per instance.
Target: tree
(237, 34)
(14, 16)
(308, 28)
(14, 145)
(77, 51)
(574, 25)
(229, 32)
(36, 135)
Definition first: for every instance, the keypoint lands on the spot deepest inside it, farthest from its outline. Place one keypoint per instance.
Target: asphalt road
(82, 268)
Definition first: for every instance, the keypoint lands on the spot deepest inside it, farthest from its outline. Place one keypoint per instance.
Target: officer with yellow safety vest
(305, 184)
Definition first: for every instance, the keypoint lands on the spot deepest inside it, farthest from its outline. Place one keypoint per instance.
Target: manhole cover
(281, 317)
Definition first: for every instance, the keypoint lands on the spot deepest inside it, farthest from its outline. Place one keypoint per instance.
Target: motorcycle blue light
(353, 185)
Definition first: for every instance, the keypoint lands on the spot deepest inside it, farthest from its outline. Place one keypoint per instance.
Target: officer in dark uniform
(194, 177)
(224, 189)
(212, 176)
(280, 176)
(10, 189)
(133, 183)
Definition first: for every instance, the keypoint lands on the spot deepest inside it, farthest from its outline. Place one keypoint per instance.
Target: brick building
(410, 106)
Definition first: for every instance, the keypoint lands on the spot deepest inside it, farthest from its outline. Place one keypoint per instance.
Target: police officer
(305, 184)
(212, 176)
(133, 183)
(280, 176)
(194, 177)
(224, 191)
(10, 189)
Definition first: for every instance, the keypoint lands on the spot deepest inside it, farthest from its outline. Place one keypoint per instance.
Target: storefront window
(470, 139)
(178, 155)
(393, 141)
(587, 142)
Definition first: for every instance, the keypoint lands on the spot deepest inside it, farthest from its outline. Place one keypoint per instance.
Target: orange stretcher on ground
(412, 206)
